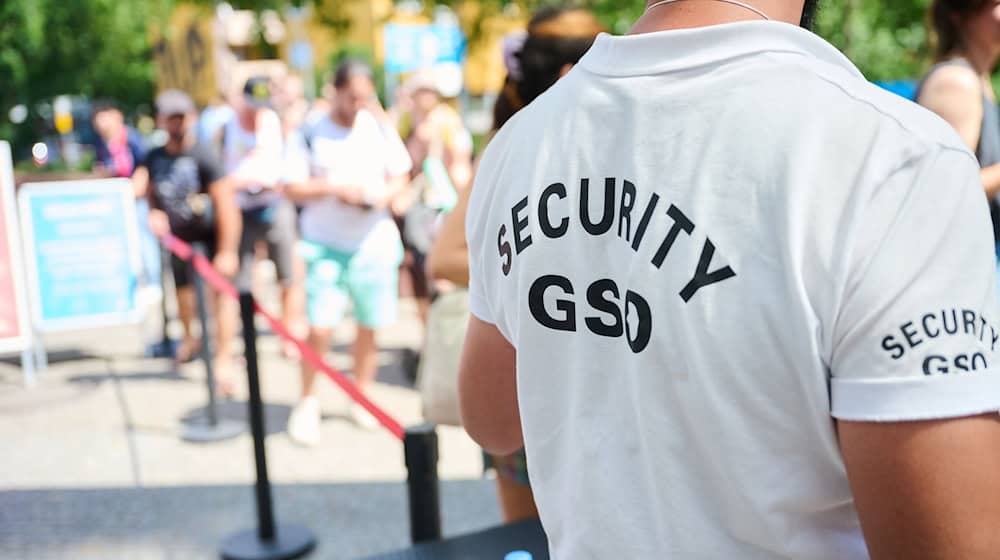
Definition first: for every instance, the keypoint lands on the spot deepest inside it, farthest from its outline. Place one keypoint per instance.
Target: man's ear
(565, 69)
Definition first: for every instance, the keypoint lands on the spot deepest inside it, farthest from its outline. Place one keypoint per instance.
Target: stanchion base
(199, 430)
(291, 541)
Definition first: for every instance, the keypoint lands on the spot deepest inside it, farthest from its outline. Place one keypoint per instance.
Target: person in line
(253, 156)
(441, 149)
(735, 302)
(290, 103)
(554, 42)
(118, 151)
(120, 147)
(966, 37)
(189, 197)
(353, 166)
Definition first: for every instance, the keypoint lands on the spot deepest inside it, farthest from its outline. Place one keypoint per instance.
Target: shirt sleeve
(915, 336)
(296, 165)
(209, 167)
(138, 147)
(477, 226)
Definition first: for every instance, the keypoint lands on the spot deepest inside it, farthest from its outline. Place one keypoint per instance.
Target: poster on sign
(15, 332)
(81, 253)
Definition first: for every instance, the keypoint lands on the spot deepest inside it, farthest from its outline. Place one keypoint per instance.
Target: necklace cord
(743, 5)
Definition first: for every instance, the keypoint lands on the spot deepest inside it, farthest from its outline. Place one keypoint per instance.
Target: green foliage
(100, 48)
(886, 40)
(97, 48)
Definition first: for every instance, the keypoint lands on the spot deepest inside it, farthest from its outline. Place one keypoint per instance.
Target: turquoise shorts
(369, 283)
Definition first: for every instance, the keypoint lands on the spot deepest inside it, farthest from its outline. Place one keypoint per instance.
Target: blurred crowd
(343, 195)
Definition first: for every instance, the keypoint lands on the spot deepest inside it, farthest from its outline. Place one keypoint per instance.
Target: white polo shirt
(706, 245)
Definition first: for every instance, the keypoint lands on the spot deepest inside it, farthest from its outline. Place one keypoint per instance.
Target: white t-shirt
(365, 155)
(769, 243)
(255, 155)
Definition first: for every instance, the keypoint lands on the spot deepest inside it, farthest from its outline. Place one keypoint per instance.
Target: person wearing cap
(253, 156)
(191, 199)
(736, 302)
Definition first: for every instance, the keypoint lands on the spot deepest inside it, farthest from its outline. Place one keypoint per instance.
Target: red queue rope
(205, 269)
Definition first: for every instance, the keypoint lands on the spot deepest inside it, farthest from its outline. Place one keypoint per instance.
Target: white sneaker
(303, 424)
(363, 418)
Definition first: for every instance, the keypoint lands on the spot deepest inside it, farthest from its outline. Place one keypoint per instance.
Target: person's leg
(226, 325)
(281, 239)
(319, 342)
(421, 285)
(186, 310)
(325, 303)
(304, 422)
(372, 280)
(365, 353)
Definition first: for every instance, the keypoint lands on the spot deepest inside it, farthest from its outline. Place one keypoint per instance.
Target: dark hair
(556, 37)
(101, 105)
(507, 104)
(945, 20)
(351, 68)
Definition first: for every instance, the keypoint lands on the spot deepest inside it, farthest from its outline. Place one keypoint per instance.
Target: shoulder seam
(930, 141)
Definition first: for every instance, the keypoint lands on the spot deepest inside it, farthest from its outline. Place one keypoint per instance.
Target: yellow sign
(64, 123)
(185, 57)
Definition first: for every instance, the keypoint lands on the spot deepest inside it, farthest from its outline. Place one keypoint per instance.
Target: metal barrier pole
(420, 447)
(267, 541)
(210, 427)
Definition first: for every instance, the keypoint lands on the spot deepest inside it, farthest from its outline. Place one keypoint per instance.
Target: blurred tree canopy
(885, 39)
(101, 47)
(90, 47)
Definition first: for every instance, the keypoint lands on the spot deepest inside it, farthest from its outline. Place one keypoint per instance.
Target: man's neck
(248, 120)
(177, 146)
(688, 14)
(341, 121)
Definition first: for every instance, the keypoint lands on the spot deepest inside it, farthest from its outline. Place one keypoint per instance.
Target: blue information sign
(410, 47)
(81, 251)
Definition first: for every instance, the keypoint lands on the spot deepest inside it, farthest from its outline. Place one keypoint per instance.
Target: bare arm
(308, 190)
(229, 219)
(449, 257)
(396, 186)
(926, 490)
(487, 390)
(991, 180)
(956, 95)
(140, 183)
(159, 223)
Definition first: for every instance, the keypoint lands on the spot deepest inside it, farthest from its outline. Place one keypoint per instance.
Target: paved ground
(95, 469)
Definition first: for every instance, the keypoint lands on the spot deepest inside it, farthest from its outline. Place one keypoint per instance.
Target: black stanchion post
(165, 347)
(265, 514)
(268, 541)
(421, 449)
(210, 427)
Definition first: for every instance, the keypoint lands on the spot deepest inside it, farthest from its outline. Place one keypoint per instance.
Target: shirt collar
(665, 51)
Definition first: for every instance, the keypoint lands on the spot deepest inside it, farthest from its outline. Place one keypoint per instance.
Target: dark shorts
(414, 261)
(179, 268)
(275, 225)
